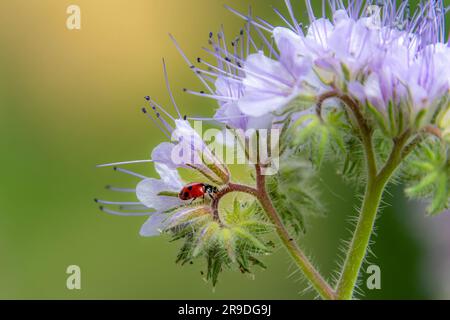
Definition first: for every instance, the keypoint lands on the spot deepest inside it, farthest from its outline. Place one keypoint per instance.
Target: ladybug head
(211, 189)
(183, 195)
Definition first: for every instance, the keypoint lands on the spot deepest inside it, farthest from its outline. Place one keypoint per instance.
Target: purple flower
(148, 190)
(158, 195)
(380, 55)
(186, 149)
(229, 112)
(162, 196)
(224, 81)
(428, 78)
(271, 84)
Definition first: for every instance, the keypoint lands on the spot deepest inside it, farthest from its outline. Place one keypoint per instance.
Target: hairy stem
(260, 192)
(366, 221)
(360, 241)
(364, 130)
(365, 134)
(231, 187)
(309, 271)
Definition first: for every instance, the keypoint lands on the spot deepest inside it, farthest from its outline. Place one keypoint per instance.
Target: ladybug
(196, 190)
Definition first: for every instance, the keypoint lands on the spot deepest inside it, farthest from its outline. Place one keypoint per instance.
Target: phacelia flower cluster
(394, 63)
(371, 76)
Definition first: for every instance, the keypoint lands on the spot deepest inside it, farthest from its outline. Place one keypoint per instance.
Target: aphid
(196, 190)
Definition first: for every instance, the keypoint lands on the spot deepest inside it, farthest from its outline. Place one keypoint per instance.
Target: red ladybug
(196, 190)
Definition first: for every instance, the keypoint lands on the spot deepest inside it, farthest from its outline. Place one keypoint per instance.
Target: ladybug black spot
(190, 187)
(186, 195)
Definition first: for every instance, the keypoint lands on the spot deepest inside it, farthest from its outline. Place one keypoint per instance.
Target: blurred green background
(71, 100)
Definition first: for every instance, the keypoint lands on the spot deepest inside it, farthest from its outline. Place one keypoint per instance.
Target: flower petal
(320, 31)
(154, 225)
(356, 89)
(162, 153)
(373, 92)
(147, 192)
(266, 74)
(227, 88)
(257, 104)
(169, 176)
(292, 51)
(192, 150)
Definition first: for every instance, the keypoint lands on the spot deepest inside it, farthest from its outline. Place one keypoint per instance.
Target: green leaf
(215, 265)
(440, 199)
(320, 135)
(322, 146)
(228, 242)
(250, 238)
(234, 241)
(424, 183)
(428, 173)
(293, 191)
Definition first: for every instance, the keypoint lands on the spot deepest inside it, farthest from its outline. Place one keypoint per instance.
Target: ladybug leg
(192, 200)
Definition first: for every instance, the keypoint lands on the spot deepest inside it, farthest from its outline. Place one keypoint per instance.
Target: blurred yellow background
(70, 99)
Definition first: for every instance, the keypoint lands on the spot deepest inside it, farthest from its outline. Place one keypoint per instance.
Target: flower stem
(360, 241)
(260, 192)
(309, 271)
(364, 228)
